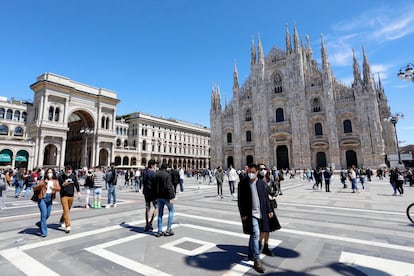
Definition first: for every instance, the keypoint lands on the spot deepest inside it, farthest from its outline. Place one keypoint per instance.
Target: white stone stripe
(25, 263)
(76, 236)
(125, 262)
(343, 208)
(312, 234)
(375, 266)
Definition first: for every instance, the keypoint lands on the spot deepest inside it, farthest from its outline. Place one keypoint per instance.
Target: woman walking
(46, 189)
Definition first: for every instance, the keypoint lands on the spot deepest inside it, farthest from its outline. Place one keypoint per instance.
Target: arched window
(9, 114)
(248, 136)
(18, 131)
(135, 143)
(347, 126)
(103, 122)
(24, 116)
(16, 115)
(229, 138)
(126, 144)
(248, 115)
(280, 117)
(1, 113)
(57, 114)
(318, 129)
(277, 82)
(51, 111)
(316, 105)
(118, 142)
(107, 123)
(144, 145)
(4, 130)
(142, 132)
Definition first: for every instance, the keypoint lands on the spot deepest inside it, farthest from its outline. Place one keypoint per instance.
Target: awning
(21, 158)
(4, 157)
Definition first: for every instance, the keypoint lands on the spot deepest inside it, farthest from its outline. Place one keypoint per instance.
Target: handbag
(273, 203)
(274, 223)
(35, 196)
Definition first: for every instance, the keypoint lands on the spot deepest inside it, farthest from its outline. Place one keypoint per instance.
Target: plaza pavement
(337, 233)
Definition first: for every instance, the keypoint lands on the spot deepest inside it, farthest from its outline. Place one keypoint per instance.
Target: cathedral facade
(291, 112)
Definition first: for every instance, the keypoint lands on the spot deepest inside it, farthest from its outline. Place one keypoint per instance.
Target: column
(63, 152)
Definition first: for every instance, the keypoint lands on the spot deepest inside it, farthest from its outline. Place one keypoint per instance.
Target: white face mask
(263, 172)
(50, 175)
(252, 176)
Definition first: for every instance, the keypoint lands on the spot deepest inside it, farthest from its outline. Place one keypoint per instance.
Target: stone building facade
(141, 137)
(73, 123)
(291, 112)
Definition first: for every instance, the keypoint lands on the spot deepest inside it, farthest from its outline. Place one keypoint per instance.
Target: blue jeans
(111, 192)
(45, 207)
(231, 184)
(354, 184)
(28, 189)
(181, 185)
(137, 185)
(161, 202)
(19, 186)
(254, 239)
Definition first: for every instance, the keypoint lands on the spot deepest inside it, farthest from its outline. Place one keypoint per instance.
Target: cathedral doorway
(321, 160)
(230, 161)
(103, 158)
(249, 159)
(80, 140)
(50, 155)
(282, 157)
(351, 158)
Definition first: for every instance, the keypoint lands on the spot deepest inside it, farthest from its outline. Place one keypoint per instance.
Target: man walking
(163, 190)
(147, 179)
(219, 179)
(182, 174)
(112, 179)
(327, 174)
(232, 174)
(68, 183)
(255, 210)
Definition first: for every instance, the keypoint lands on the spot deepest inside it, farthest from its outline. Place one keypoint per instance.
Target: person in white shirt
(137, 180)
(233, 176)
(182, 175)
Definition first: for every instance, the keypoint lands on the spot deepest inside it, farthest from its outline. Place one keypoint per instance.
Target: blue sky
(162, 57)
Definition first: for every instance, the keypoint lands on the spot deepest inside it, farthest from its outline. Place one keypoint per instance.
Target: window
(248, 136)
(1, 113)
(18, 131)
(126, 144)
(118, 142)
(107, 123)
(4, 130)
(16, 115)
(144, 145)
(9, 114)
(316, 105)
(347, 126)
(103, 122)
(57, 114)
(248, 115)
(51, 111)
(277, 82)
(280, 117)
(318, 129)
(229, 138)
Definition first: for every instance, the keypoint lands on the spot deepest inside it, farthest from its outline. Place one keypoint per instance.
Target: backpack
(30, 178)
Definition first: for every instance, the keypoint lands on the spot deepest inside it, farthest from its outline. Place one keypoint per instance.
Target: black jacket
(68, 189)
(245, 204)
(162, 186)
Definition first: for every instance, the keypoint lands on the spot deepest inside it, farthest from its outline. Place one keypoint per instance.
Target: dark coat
(68, 189)
(162, 186)
(245, 204)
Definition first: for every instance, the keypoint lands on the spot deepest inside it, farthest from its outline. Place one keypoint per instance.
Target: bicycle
(410, 212)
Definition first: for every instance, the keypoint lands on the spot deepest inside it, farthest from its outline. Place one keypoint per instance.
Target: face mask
(263, 172)
(50, 175)
(252, 176)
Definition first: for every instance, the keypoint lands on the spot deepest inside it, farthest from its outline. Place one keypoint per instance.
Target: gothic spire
(253, 53)
(379, 82)
(308, 43)
(366, 68)
(288, 43)
(235, 76)
(323, 52)
(260, 51)
(296, 39)
(357, 73)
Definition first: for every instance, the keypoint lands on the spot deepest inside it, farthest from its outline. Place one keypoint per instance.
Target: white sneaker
(107, 206)
(67, 230)
(114, 205)
(62, 225)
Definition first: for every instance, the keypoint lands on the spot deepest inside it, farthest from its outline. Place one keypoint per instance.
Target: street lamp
(86, 132)
(406, 73)
(394, 120)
